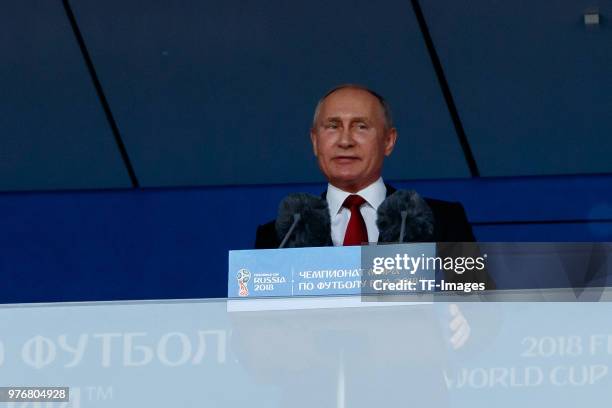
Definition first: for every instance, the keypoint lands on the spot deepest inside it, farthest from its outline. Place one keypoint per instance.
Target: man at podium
(352, 133)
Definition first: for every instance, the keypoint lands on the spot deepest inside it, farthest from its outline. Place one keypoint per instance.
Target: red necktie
(356, 232)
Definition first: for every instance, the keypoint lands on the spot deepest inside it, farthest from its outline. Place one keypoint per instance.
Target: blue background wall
(139, 143)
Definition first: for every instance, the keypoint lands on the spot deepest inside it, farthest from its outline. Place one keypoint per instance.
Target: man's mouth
(345, 159)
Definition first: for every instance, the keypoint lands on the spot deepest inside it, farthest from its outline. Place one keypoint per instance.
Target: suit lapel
(390, 189)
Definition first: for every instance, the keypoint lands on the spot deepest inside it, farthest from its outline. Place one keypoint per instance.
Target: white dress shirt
(374, 194)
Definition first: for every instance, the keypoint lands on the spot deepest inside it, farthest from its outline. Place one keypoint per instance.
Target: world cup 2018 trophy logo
(243, 279)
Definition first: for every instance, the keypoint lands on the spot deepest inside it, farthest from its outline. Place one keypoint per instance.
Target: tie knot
(353, 201)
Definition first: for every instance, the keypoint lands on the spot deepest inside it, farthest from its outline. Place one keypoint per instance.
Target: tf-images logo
(243, 277)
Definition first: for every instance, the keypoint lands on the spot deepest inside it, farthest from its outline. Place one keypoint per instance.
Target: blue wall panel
(558, 232)
(223, 92)
(173, 243)
(525, 198)
(53, 132)
(531, 82)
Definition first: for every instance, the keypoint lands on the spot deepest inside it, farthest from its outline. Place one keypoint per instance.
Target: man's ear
(313, 139)
(390, 140)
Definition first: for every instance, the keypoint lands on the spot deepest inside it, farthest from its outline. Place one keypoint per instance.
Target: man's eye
(362, 126)
(331, 126)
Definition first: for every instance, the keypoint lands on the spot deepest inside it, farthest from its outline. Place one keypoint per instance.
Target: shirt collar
(374, 194)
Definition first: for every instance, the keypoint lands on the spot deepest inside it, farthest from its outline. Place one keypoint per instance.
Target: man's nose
(346, 138)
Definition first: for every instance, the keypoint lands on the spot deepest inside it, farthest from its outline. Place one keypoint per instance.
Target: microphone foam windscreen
(314, 227)
(419, 222)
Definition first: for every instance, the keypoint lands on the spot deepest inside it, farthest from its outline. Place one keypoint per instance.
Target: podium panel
(335, 345)
(194, 354)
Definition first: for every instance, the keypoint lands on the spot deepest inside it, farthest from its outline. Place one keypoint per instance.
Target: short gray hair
(383, 103)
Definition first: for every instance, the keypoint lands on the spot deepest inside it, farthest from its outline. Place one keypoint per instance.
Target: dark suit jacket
(450, 226)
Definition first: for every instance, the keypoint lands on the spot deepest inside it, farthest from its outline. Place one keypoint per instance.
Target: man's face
(350, 140)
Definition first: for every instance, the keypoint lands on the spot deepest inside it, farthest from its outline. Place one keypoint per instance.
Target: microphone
(303, 221)
(405, 217)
